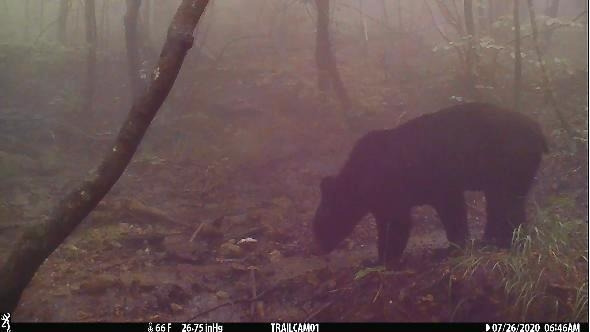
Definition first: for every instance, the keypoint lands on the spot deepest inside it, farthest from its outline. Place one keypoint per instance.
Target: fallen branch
(137, 208)
(253, 281)
(196, 232)
(38, 241)
(318, 310)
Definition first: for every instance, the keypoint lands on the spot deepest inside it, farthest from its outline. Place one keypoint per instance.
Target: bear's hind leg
(505, 213)
(494, 211)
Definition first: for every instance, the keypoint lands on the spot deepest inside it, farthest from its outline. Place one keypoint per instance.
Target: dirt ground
(210, 222)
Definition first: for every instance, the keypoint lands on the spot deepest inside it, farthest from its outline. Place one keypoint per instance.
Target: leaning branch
(40, 240)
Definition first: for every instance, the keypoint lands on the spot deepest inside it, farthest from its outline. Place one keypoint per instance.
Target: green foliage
(360, 274)
(496, 54)
(545, 275)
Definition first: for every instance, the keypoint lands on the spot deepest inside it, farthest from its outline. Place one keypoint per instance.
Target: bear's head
(339, 211)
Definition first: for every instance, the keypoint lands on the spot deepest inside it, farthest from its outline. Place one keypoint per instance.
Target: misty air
(315, 161)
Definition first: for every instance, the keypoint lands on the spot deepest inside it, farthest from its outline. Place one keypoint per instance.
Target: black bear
(432, 160)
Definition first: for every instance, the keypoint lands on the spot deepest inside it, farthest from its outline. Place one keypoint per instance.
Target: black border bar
(297, 327)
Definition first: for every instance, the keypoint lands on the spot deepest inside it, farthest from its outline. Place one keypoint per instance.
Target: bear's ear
(327, 185)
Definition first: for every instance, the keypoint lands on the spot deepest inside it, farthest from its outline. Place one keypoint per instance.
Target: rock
(231, 250)
(248, 243)
(275, 256)
(222, 295)
(176, 308)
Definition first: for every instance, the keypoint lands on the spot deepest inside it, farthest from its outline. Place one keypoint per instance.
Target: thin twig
(196, 232)
(549, 29)
(43, 31)
(442, 34)
(545, 76)
(253, 281)
(242, 300)
(378, 292)
(318, 311)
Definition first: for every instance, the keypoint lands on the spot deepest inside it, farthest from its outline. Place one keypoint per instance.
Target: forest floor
(210, 221)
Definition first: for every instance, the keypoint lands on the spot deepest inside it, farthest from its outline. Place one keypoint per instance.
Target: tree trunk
(132, 42)
(553, 9)
(279, 30)
(41, 15)
(64, 7)
(517, 56)
(491, 16)
(40, 240)
(545, 76)
(399, 16)
(385, 14)
(90, 18)
(147, 22)
(388, 49)
(27, 21)
(363, 29)
(482, 17)
(76, 35)
(105, 31)
(327, 70)
(497, 8)
(552, 12)
(586, 32)
(322, 39)
(470, 54)
(101, 25)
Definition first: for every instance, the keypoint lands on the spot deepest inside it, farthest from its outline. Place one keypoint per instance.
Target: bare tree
(364, 32)
(104, 34)
(497, 8)
(385, 13)
(132, 42)
(586, 27)
(41, 14)
(27, 20)
(459, 50)
(39, 241)
(517, 56)
(64, 8)
(553, 9)
(552, 12)
(76, 31)
(387, 52)
(328, 74)
(545, 76)
(146, 20)
(90, 14)
(400, 20)
(482, 18)
(470, 53)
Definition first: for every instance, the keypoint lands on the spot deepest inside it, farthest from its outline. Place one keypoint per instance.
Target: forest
(179, 160)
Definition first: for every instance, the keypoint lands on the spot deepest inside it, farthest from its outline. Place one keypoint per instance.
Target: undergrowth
(545, 274)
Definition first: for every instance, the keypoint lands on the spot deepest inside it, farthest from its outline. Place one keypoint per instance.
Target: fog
(213, 217)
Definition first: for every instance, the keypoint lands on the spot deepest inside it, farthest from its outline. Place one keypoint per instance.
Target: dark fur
(432, 160)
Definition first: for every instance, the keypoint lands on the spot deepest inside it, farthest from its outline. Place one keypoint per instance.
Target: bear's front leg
(393, 234)
(452, 212)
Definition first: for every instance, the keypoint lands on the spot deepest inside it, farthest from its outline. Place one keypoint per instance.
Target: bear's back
(470, 143)
(468, 128)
